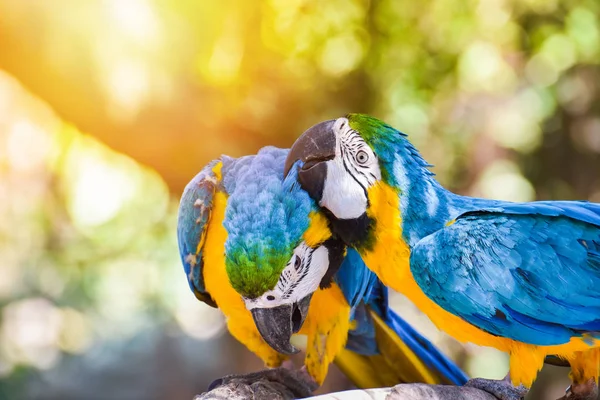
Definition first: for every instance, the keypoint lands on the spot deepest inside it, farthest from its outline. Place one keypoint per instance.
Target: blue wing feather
(529, 272)
(193, 217)
(583, 211)
(355, 280)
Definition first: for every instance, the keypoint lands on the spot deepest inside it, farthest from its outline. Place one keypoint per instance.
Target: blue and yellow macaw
(254, 246)
(521, 277)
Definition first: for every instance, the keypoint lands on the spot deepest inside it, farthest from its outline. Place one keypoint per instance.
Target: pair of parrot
(254, 245)
(520, 277)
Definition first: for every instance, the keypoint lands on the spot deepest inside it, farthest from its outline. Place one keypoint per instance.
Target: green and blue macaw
(254, 245)
(521, 277)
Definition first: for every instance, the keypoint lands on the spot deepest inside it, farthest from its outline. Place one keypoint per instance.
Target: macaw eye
(297, 263)
(362, 157)
(270, 297)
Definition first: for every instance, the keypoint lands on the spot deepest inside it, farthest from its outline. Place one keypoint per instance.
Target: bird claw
(501, 389)
(305, 376)
(215, 384)
(295, 383)
(288, 364)
(582, 391)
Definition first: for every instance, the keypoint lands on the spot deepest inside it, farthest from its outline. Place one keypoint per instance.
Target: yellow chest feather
(215, 274)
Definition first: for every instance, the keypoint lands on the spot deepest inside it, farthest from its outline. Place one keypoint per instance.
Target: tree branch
(262, 387)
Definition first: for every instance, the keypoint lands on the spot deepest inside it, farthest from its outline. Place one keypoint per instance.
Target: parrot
(521, 277)
(252, 244)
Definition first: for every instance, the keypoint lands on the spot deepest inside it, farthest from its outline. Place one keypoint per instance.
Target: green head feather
(390, 146)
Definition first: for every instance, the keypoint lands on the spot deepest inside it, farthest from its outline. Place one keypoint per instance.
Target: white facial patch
(301, 277)
(354, 169)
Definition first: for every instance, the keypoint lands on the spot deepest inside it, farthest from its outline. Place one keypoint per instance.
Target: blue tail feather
(425, 350)
(365, 291)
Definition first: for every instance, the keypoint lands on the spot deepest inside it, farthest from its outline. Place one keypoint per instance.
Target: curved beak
(314, 148)
(277, 324)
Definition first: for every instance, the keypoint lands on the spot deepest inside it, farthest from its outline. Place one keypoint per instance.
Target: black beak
(314, 147)
(277, 324)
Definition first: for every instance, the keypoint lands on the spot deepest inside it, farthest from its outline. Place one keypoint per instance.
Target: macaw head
(339, 162)
(279, 249)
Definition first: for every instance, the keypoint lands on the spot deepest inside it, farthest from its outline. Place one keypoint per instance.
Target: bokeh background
(108, 108)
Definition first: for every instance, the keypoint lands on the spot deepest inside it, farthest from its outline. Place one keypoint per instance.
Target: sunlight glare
(28, 146)
(32, 328)
(512, 126)
(100, 189)
(199, 320)
(128, 86)
(482, 67)
(226, 58)
(135, 18)
(502, 180)
(76, 333)
(341, 55)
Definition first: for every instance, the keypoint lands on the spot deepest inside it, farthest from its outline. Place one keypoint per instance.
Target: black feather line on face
(304, 267)
(336, 251)
(346, 162)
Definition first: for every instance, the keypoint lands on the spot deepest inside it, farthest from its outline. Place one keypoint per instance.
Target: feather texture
(512, 271)
(265, 220)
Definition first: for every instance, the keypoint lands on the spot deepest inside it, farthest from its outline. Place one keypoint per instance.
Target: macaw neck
(427, 207)
(401, 216)
(404, 207)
